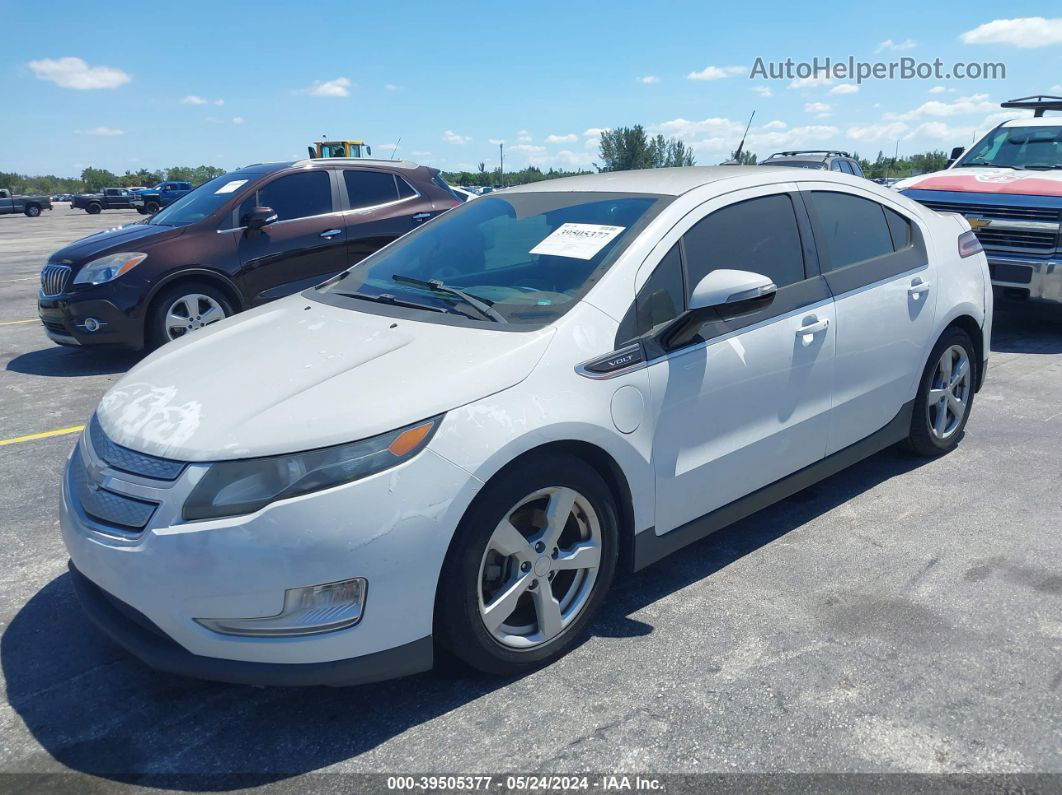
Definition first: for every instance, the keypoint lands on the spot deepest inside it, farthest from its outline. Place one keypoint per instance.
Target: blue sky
(233, 83)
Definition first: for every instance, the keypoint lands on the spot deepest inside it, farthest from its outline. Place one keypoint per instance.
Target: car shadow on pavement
(1027, 328)
(98, 711)
(71, 362)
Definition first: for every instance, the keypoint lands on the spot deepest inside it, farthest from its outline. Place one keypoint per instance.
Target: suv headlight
(110, 267)
(231, 488)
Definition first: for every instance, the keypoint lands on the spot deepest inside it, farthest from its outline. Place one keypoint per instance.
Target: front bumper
(1026, 278)
(64, 319)
(392, 528)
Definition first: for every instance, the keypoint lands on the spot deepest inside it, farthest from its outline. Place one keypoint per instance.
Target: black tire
(155, 324)
(921, 440)
(459, 627)
(152, 207)
(93, 209)
(32, 210)
(141, 210)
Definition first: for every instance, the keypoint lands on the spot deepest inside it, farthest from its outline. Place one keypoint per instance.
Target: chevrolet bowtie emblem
(976, 222)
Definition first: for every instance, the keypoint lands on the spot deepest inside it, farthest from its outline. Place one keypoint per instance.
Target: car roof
(1028, 121)
(665, 181)
(265, 168)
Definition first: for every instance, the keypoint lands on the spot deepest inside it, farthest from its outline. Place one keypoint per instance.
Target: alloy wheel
(191, 312)
(949, 393)
(539, 567)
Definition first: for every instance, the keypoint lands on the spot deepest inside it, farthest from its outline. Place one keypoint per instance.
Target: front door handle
(330, 233)
(420, 218)
(814, 327)
(917, 287)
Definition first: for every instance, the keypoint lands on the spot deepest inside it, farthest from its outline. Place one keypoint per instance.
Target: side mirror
(259, 217)
(956, 153)
(722, 293)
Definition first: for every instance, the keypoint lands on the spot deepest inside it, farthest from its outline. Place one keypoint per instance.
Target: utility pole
(501, 164)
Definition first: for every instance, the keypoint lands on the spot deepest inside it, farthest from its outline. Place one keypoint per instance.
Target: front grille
(1017, 238)
(107, 506)
(55, 327)
(127, 460)
(1008, 212)
(54, 279)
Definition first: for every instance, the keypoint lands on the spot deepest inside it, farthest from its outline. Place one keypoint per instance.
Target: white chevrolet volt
(457, 441)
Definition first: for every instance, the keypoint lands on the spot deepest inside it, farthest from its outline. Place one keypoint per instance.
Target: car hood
(131, 237)
(298, 374)
(988, 180)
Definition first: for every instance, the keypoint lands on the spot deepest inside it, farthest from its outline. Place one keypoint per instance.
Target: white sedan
(457, 441)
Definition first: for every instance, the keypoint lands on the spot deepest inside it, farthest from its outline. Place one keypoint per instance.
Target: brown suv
(237, 241)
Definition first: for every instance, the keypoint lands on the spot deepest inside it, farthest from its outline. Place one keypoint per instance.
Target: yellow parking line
(34, 436)
(16, 322)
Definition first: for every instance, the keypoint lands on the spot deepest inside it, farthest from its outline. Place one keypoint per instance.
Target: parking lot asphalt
(901, 616)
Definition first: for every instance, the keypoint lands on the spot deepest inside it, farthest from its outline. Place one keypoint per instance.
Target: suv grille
(54, 279)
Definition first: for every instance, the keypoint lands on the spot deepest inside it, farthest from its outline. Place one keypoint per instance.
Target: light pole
(501, 164)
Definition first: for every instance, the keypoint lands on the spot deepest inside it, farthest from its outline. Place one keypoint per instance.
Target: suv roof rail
(356, 161)
(1037, 103)
(824, 152)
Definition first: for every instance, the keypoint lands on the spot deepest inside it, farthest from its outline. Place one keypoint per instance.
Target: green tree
(629, 147)
(746, 158)
(96, 179)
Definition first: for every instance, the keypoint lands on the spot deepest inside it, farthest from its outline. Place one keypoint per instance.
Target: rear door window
(369, 188)
(293, 196)
(855, 228)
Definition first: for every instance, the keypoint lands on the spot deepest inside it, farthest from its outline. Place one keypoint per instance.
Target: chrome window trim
(286, 221)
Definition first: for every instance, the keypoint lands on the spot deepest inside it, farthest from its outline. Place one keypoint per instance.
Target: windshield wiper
(973, 164)
(387, 298)
(1044, 168)
(437, 286)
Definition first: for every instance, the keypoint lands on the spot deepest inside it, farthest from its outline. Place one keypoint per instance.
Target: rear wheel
(151, 208)
(945, 396)
(529, 566)
(33, 210)
(184, 308)
(93, 209)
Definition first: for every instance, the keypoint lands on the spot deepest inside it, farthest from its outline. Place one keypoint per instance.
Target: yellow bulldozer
(339, 149)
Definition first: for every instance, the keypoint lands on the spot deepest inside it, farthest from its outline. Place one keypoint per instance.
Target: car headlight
(231, 488)
(110, 267)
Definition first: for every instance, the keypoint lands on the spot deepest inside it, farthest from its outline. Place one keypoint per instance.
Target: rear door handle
(421, 217)
(330, 233)
(917, 287)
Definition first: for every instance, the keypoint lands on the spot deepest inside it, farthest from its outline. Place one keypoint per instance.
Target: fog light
(91, 324)
(306, 611)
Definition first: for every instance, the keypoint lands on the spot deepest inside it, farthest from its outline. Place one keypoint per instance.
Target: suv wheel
(151, 208)
(945, 396)
(529, 566)
(184, 308)
(33, 211)
(93, 209)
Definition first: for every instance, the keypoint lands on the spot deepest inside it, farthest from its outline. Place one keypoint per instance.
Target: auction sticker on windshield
(230, 186)
(578, 241)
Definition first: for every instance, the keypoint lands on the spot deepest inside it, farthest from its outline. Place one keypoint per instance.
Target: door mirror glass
(724, 286)
(956, 153)
(259, 217)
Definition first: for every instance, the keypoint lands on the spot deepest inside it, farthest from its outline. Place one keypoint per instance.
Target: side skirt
(649, 547)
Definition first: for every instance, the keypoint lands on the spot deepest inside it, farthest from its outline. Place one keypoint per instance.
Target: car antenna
(736, 159)
(396, 147)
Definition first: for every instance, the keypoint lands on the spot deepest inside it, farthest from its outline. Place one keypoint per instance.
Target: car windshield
(1017, 147)
(524, 258)
(202, 202)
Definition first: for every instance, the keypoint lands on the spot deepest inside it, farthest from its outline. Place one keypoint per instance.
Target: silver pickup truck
(30, 205)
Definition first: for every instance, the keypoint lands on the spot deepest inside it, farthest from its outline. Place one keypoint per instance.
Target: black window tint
(900, 228)
(369, 188)
(854, 228)
(758, 235)
(662, 297)
(846, 167)
(856, 168)
(836, 166)
(293, 196)
(405, 190)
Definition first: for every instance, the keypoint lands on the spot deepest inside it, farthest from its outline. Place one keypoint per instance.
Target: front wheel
(945, 396)
(529, 566)
(33, 211)
(184, 308)
(93, 209)
(151, 208)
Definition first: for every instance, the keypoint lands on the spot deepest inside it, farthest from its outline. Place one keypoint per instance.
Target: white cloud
(562, 139)
(75, 73)
(238, 120)
(877, 132)
(1024, 32)
(717, 72)
(192, 99)
(719, 136)
(763, 91)
(420, 153)
(845, 88)
(777, 124)
(812, 82)
(937, 90)
(528, 149)
(816, 107)
(496, 141)
(523, 136)
(107, 132)
(648, 80)
(340, 87)
(889, 44)
(392, 87)
(1056, 88)
(961, 106)
(453, 138)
